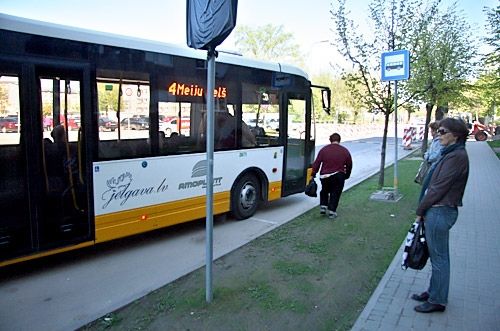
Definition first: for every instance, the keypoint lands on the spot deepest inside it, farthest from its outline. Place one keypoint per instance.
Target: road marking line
(263, 221)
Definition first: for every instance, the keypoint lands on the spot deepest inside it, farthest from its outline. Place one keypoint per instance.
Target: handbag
(423, 170)
(311, 189)
(416, 252)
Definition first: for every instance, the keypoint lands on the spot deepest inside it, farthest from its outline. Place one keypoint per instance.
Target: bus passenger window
(10, 124)
(11, 157)
(61, 105)
(261, 116)
(175, 123)
(123, 120)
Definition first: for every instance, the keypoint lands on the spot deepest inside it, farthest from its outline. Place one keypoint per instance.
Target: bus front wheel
(245, 197)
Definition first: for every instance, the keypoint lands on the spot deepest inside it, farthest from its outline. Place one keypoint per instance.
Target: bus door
(297, 154)
(63, 95)
(43, 191)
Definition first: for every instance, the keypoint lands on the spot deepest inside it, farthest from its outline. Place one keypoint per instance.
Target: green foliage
(442, 56)
(269, 43)
(493, 26)
(393, 25)
(486, 91)
(495, 145)
(443, 60)
(4, 100)
(108, 98)
(344, 106)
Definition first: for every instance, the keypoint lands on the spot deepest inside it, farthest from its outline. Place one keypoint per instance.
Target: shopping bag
(416, 252)
(423, 170)
(311, 189)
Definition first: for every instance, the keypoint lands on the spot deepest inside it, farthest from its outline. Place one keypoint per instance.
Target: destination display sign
(193, 90)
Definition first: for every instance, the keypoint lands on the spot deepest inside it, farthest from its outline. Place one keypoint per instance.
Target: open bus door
(298, 142)
(301, 140)
(43, 184)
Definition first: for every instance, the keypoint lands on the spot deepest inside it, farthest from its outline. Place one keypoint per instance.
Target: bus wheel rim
(248, 196)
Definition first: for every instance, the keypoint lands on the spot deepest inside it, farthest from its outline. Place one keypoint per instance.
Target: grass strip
(495, 145)
(309, 274)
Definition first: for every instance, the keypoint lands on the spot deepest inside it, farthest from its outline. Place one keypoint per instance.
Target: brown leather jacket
(447, 183)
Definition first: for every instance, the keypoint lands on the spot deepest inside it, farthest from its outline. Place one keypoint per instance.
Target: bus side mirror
(325, 99)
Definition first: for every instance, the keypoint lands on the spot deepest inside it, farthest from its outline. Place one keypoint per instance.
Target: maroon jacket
(333, 158)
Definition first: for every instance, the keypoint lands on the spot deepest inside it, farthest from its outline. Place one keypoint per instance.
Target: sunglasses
(442, 131)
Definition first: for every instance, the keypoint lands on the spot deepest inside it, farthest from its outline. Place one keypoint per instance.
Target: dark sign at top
(209, 22)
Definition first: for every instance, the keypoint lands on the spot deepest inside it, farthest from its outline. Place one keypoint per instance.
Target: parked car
(169, 125)
(272, 124)
(8, 124)
(72, 124)
(135, 123)
(106, 124)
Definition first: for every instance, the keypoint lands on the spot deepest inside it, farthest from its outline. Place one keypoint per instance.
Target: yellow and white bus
(87, 161)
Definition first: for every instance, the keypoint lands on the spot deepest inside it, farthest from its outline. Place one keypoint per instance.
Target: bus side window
(123, 120)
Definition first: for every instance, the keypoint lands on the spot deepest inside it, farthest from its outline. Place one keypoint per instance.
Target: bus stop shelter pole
(210, 172)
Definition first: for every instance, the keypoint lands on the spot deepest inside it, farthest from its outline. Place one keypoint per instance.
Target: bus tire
(481, 136)
(245, 197)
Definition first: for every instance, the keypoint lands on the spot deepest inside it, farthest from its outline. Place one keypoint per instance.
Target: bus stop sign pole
(209, 22)
(210, 172)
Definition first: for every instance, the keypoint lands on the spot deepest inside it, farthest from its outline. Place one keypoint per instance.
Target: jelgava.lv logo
(120, 189)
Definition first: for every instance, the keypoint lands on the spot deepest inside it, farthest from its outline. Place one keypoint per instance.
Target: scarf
(427, 179)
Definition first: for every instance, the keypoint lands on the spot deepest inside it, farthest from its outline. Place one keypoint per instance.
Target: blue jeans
(438, 222)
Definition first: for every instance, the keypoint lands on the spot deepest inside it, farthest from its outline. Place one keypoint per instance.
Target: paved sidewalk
(474, 299)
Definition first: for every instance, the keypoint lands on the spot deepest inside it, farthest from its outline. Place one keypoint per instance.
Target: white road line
(263, 221)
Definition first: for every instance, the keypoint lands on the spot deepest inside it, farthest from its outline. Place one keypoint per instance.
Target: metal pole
(396, 194)
(210, 172)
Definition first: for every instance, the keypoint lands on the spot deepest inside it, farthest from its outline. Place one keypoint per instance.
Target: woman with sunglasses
(442, 192)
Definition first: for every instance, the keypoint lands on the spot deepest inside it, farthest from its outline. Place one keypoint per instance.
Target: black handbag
(311, 189)
(416, 252)
(423, 170)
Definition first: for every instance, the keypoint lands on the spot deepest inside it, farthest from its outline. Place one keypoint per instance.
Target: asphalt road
(67, 291)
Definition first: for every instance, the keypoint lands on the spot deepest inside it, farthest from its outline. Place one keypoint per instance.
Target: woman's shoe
(424, 296)
(428, 307)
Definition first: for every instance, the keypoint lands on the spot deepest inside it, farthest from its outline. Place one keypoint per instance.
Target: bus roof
(19, 24)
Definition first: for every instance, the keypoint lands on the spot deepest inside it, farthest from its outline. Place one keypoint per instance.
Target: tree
(4, 100)
(486, 94)
(108, 97)
(341, 98)
(269, 43)
(487, 88)
(493, 58)
(443, 62)
(393, 24)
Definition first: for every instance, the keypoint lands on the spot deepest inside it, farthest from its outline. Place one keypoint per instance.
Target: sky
(310, 21)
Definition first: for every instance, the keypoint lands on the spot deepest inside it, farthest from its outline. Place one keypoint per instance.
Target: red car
(8, 124)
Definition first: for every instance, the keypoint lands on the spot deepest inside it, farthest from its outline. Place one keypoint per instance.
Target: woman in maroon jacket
(336, 166)
(442, 193)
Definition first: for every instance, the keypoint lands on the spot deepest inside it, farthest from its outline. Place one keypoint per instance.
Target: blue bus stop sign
(395, 65)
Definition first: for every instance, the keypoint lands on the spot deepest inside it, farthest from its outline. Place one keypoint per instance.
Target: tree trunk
(382, 153)
(428, 113)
